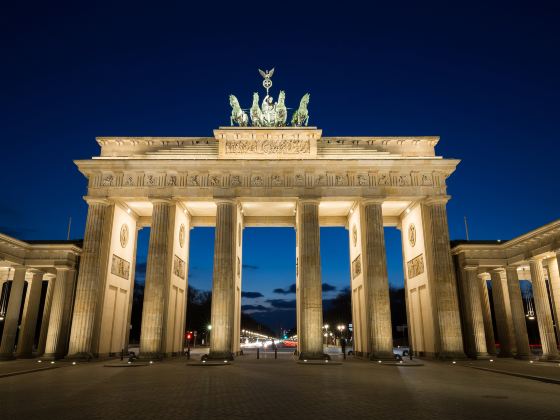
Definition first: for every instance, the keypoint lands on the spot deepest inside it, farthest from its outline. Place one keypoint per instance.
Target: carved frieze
(120, 267)
(267, 147)
(299, 178)
(415, 266)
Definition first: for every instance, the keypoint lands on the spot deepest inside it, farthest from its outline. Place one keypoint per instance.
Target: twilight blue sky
(485, 77)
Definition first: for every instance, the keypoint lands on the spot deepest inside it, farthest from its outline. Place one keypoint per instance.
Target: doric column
(542, 306)
(554, 283)
(474, 313)
(61, 313)
(442, 282)
(487, 315)
(309, 280)
(376, 283)
(518, 314)
(30, 314)
(223, 283)
(12, 315)
(45, 317)
(157, 267)
(505, 336)
(93, 263)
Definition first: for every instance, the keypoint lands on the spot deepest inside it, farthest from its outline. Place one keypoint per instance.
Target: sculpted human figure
(255, 112)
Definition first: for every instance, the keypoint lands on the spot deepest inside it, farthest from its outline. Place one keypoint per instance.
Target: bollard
(188, 353)
(258, 353)
(122, 354)
(275, 353)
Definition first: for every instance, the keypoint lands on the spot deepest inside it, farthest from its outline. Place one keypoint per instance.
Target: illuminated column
(46, 315)
(487, 315)
(309, 280)
(12, 315)
(505, 336)
(223, 283)
(93, 265)
(61, 313)
(157, 267)
(376, 283)
(517, 313)
(554, 284)
(542, 306)
(30, 314)
(443, 282)
(474, 312)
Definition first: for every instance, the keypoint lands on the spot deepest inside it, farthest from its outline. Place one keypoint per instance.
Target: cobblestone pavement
(275, 389)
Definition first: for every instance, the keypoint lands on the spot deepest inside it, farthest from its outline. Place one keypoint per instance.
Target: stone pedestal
(157, 268)
(30, 314)
(518, 314)
(442, 280)
(93, 264)
(542, 307)
(12, 315)
(223, 285)
(505, 335)
(476, 344)
(309, 287)
(60, 316)
(487, 315)
(376, 283)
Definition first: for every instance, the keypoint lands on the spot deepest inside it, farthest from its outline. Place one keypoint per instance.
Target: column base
(522, 356)
(52, 356)
(482, 356)
(218, 355)
(7, 357)
(83, 356)
(314, 356)
(549, 358)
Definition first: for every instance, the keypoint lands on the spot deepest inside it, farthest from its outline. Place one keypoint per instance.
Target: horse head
(281, 97)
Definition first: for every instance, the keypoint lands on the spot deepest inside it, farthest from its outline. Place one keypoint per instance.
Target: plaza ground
(278, 388)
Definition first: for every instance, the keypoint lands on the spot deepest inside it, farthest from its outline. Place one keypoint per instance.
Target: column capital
(308, 200)
(225, 200)
(535, 259)
(165, 200)
(470, 267)
(36, 271)
(497, 270)
(372, 200)
(438, 199)
(96, 200)
(511, 268)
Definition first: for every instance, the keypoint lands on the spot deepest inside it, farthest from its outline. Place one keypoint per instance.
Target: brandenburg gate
(266, 174)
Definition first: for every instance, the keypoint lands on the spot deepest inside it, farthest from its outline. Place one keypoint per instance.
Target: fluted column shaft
(518, 314)
(45, 317)
(442, 282)
(309, 278)
(12, 315)
(474, 313)
(30, 314)
(505, 336)
(61, 312)
(223, 283)
(487, 316)
(156, 279)
(542, 306)
(554, 282)
(376, 282)
(88, 289)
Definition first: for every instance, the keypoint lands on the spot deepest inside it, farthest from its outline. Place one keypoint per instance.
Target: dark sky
(483, 77)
